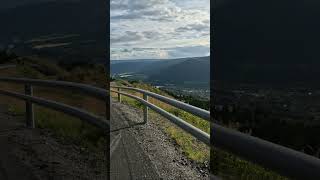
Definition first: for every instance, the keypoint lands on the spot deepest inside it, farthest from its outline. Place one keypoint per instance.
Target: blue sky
(159, 29)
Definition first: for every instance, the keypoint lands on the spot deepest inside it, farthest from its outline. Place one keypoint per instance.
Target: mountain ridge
(175, 71)
(42, 19)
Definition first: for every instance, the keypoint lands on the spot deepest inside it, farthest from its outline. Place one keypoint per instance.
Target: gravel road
(164, 156)
(128, 160)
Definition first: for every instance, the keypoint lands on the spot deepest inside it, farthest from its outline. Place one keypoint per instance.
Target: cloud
(194, 27)
(127, 37)
(139, 53)
(159, 53)
(135, 5)
(156, 10)
(151, 34)
(159, 28)
(189, 51)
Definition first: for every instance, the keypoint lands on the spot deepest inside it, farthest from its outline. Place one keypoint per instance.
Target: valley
(185, 76)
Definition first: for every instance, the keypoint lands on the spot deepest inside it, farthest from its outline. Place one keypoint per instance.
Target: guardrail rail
(196, 132)
(99, 93)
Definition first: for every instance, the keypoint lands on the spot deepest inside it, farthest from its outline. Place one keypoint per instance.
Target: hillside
(128, 66)
(64, 29)
(188, 71)
(176, 71)
(144, 66)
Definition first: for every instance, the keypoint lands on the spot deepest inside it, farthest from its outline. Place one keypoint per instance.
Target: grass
(63, 126)
(229, 166)
(15, 110)
(70, 128)
(194, 150)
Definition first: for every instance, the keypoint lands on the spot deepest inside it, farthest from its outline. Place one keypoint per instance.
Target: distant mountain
(65, 29)
(176, 71)
(145, 66)
(159, 66)
(195, 70)
(138, 65)
(132, 66)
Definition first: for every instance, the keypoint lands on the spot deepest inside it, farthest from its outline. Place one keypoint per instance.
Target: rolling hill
(73, 30)
(176, 71)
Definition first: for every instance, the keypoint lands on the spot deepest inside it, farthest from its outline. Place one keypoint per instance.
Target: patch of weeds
(192, 119)
(70, 128)
(194, 150)
(131, 102)
(15, 110)
(229, 166)
(29, 72)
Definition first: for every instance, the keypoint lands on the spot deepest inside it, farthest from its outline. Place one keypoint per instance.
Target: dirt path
(128, 160)
(164, 157)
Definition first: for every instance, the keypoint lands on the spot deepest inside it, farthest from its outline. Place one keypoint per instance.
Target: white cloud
(154, 25)
(128, 36)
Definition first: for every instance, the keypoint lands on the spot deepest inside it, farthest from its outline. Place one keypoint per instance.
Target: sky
(159, 29)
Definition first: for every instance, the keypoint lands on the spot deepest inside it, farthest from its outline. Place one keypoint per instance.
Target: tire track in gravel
(128, 160)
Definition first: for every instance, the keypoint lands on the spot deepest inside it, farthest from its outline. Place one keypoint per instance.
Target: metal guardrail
(79, 113)
(285, 161)
(196, 132)
(94, 91)
(184, 106)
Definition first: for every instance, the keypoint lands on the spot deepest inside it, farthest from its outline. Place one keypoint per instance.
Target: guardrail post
(119, 95)
(29, 107)
(145, 109)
